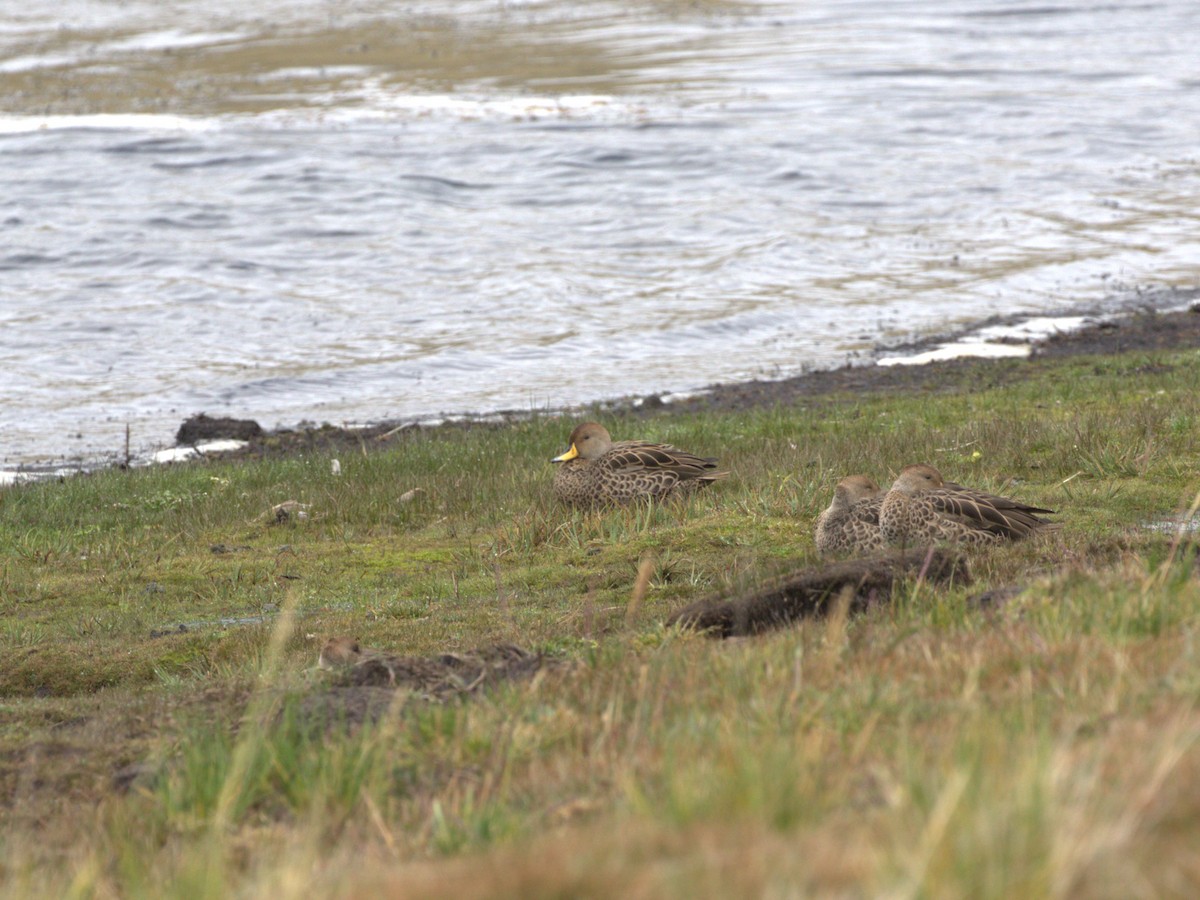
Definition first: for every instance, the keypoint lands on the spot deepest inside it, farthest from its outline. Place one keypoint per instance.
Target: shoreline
(1109, 333)
(1160, 320)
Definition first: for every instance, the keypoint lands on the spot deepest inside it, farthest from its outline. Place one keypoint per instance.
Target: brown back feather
(996, 501)
(633, 456)
(1006, 518)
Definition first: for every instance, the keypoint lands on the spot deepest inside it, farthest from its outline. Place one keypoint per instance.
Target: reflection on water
(301, 212)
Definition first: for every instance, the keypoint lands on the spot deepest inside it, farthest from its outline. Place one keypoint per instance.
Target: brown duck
(851, 523)
(596, 471)
(922, 508)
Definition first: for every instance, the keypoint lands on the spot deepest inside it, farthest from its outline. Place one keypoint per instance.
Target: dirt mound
(378, 682)
(812, 592)
(445, 675)
(202, 428)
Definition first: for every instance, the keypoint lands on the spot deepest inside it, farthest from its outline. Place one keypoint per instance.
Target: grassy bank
(928, 747)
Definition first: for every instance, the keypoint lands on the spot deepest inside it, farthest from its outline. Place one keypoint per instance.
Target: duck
(851, 522)
(921, 507)
(595, 471)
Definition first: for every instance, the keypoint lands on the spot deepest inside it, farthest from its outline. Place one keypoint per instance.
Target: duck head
(588, 441)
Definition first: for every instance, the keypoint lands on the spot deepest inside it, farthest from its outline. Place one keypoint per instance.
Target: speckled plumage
(851, 523)
(595, 471)
(922, 508)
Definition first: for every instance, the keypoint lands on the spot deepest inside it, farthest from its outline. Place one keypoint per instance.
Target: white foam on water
(564, 106)
(114, 121)
(10, 477)
(28, 63)
(92, 53)
(983, 343)
(1034, 329)
(376, 98)
(680, 396)
(959, 351)
(172, 39)
(179, 454)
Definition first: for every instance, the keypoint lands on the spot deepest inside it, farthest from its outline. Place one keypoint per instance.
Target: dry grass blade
(640, 585)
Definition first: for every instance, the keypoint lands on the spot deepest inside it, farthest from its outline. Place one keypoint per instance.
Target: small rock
(203, 428)
(164, 632)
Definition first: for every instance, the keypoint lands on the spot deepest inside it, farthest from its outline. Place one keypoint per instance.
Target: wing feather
(632, 457)
(993, 499)
(979, 510)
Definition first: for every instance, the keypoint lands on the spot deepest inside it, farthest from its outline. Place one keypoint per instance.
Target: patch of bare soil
(367, 689)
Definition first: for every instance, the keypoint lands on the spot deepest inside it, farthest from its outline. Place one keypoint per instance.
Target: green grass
(926, 748)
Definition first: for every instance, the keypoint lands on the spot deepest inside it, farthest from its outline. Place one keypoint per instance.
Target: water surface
(290, 211)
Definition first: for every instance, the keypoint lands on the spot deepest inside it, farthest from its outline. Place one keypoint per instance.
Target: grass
(926, 748)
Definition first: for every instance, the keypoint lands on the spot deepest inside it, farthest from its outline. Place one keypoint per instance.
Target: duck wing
(642, 456)
(986, 512)
(994, 500)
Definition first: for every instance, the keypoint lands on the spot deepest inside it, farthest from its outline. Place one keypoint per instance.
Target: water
(293, 211)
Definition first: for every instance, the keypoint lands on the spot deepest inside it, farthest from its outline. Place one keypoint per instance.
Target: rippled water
(300, 212)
